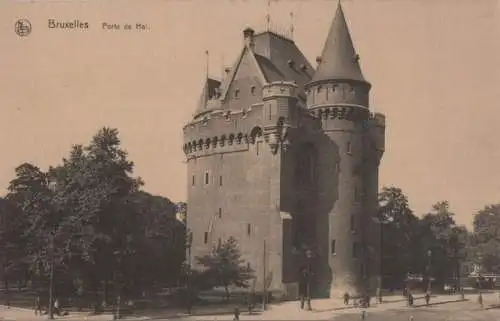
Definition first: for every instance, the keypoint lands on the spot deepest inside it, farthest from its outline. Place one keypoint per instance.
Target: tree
(95, 193)
(224, 266)
(439, 234)
(398, 228)
(32, 196)
(486, 238)
(12, 267)
(88, 218)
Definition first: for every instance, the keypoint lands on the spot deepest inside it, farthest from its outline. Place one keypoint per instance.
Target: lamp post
(52, 187)
(382, 223)
(309, 256)
(51, 280)
(429, 267)
(189, 242)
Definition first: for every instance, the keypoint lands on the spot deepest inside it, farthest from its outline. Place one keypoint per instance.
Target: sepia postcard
(250, 160)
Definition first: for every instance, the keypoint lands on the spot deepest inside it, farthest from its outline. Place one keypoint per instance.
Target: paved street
(442, 308)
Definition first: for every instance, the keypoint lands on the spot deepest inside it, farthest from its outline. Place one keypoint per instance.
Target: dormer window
(290, 63)
(252, 90)
(236, 93)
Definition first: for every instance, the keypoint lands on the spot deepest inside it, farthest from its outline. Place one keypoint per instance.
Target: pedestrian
(38, 305)
(346, 298)
(480, 299)
(410, 299)
(56, 307)
(236, 313)
(427, 298)
(379, 295)
(250, 303)
(363, 315)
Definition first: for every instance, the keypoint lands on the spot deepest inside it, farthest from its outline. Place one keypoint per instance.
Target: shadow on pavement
(440, 303)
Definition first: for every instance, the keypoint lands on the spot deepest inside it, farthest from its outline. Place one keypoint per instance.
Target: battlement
(377, 119)
(279, 89)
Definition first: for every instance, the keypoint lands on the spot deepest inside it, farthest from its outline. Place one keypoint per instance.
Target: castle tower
(285, 159)
(348, 181)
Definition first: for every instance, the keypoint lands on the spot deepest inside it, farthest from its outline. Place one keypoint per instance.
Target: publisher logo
(22, 27)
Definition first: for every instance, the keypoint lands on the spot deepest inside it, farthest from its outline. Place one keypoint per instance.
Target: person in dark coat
(236, 313)
(303, 287)
(38, 305)
(346, 298)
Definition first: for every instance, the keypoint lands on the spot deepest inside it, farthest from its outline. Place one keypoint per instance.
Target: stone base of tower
(345, 284)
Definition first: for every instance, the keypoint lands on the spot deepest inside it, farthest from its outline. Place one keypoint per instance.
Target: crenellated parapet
(377, 133)
(233, 131)
(279, 89)
(337, 92)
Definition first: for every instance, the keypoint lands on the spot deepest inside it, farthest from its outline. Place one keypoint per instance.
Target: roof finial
(292, 27)
(268, 15)
(206, 66)
(222, 67)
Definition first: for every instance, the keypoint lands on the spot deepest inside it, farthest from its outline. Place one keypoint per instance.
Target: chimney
(248, 34)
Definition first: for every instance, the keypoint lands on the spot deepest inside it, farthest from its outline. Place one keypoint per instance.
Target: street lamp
(429, 262)
(52, 187)
(309, 256)
(189, 242)
(382, 222)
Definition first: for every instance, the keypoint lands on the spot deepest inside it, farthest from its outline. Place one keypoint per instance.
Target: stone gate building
(284, 157)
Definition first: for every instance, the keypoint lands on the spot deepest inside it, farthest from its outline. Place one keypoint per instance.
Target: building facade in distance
(285, 158)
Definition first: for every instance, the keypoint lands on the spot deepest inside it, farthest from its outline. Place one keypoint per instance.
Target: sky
(433, 64)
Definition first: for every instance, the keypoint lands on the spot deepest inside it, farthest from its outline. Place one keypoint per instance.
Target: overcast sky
(434, 66)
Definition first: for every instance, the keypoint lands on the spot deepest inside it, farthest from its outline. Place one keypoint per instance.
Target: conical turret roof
(338, 59)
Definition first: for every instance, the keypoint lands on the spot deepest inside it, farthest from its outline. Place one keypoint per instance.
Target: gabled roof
(339, 59)
(226, 84)
(277, 59)
(209, 91)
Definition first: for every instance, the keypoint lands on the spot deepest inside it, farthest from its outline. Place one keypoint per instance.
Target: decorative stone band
(275, 137)
(350, 113)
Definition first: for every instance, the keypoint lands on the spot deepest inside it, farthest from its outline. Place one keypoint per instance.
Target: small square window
(205, 238)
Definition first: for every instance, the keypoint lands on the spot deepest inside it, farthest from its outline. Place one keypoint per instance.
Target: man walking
(302, 287)
(38, 305)
(346, 298)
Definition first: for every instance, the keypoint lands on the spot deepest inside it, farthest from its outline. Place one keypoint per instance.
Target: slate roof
(278, 58)
(338, 58)
(209, 91)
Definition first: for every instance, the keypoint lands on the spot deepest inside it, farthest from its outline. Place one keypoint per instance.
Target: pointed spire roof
(338, 59)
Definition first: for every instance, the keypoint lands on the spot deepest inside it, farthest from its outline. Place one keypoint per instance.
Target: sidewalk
(324, 309)
(20, 314)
